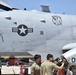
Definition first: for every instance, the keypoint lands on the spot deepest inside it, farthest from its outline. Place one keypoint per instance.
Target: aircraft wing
(4, 5)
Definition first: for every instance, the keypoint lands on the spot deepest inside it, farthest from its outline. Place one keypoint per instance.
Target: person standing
(48, 66)
(69, 72)
(11, 61)
(21, 70)
(35, 68)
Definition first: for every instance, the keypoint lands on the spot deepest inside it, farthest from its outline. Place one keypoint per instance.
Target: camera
(59, 61)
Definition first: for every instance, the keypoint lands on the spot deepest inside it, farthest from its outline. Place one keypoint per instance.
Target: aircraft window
(41, 32)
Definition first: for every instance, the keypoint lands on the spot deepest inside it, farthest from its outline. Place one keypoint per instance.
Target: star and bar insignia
(22, 30)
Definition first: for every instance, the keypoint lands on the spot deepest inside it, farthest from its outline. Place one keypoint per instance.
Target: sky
(56, 6)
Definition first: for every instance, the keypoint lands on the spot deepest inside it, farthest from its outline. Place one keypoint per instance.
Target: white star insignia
(22, 30)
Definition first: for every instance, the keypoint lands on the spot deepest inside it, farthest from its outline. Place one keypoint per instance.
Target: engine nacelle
(70, 56)
(68, 47)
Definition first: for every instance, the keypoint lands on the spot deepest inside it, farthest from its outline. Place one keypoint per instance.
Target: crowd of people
(51, 66)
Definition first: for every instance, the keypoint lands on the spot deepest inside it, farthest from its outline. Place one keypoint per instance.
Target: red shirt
(12, 62)
(60, 72)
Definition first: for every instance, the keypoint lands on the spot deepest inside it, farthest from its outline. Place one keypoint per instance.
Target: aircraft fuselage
(27, 30)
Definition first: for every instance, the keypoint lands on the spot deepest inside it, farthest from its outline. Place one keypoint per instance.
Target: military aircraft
(36, 32)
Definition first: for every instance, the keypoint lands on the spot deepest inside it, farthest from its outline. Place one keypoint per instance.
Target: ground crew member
(70, 71)
(35, 68)
(48, 66)
(11, 61)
